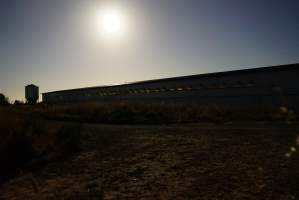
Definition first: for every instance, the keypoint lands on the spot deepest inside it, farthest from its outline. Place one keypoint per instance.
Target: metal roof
(197, 76)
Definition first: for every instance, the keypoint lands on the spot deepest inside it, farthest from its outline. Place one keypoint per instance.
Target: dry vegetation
(246, 158)
(170, 162)
(28, 142)
(125, 113)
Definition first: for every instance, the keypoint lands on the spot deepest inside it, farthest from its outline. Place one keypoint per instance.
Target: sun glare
(111, 23)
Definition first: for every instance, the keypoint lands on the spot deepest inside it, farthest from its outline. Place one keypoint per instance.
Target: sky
(57, 44)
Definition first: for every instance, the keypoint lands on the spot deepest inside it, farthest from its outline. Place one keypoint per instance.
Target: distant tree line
(3, 100)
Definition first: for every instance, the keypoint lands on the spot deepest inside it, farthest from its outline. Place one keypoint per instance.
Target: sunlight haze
(72, 43)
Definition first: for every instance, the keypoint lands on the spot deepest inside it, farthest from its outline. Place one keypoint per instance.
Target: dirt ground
(203, 161)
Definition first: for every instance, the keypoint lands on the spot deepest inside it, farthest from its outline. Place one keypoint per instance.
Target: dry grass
(25, 140)
(126, 113)
(204, 161)
(169, 163)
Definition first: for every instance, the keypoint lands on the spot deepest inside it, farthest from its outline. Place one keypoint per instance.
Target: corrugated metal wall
(258, 88)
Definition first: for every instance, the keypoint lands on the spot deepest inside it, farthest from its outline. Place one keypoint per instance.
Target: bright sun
(111, 22)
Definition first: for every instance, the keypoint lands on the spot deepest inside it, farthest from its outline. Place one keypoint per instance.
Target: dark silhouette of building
(266, 86)
(31, 94)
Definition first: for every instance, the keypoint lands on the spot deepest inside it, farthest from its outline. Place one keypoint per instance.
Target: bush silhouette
(69, 138)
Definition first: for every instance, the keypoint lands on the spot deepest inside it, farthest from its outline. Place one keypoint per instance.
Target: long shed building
(266, 86)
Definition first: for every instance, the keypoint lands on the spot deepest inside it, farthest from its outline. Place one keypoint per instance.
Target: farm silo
(31, 94)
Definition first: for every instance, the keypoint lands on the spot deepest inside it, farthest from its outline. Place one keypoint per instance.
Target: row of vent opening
(157, 90)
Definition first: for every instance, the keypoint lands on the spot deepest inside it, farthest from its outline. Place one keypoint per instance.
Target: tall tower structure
(31, 94)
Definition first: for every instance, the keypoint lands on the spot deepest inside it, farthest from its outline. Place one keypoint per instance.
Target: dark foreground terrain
(204, 161)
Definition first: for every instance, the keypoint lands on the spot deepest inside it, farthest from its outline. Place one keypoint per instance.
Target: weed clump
(27, 142)
(69, 138)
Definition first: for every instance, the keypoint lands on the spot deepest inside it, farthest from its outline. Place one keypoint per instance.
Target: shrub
(17, 103)
(15, 147)
(27, 142)
(69, 138)
(4, 101)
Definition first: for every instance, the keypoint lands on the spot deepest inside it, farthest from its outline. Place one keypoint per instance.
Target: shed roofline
(213, 74)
